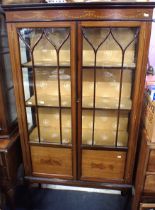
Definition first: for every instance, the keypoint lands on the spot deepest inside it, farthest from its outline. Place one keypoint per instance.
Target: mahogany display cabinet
(144, 196)
(8, 114)
(79, 71)
(147, 206)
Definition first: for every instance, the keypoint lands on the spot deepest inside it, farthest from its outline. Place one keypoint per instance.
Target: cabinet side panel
(145, 31)
(15, 61)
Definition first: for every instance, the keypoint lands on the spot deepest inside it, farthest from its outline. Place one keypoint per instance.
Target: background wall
(152, 45)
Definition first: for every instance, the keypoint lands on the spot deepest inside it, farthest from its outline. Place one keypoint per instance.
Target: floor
(54, 199)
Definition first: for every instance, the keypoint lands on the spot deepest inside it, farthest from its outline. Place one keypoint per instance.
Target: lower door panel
(101, 165)
(48, 161)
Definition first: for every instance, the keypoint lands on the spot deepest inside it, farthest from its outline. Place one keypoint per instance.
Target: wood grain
(149, 186)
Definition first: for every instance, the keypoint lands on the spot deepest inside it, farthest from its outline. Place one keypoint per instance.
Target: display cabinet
(79, 79)
(8, 116)
(10, 151)
(144, 195)
(146, 206)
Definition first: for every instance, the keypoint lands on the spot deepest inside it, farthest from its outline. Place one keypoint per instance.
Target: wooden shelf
(46, 64)
(51, 135)
(50, 101)
(110, 67)
(88, 64)
(102, 137)
(107, 103)
(101, 102)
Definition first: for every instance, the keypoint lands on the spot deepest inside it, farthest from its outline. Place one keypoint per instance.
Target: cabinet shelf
(49, 101)
(46, 64)
(102, 103)
(106, 103)
(51, 135)
(99, 147)
(110, 67)
(87, 65)
(46, 144)
(46, 106)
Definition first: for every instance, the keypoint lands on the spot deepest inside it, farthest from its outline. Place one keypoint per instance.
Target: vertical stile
(59, 93)
(94, 98)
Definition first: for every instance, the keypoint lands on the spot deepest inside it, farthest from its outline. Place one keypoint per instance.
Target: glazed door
(108, 80)
(48, 85)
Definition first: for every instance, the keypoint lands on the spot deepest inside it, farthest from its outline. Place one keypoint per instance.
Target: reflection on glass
(7, 73)
(32, 124)
(45, 57)
(107, 77)
(12, 114)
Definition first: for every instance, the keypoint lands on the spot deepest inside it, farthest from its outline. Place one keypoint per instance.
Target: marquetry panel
(47, 160)
(103, 164)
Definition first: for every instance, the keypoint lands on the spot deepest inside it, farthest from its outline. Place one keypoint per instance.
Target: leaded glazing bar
(107, 79)
(46, 74)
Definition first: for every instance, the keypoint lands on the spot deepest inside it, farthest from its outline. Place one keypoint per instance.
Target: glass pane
(3, 34)
(8, 72)
(12, 114)
(31, 113)
(45, 57)
(7, 81)
(107, 78)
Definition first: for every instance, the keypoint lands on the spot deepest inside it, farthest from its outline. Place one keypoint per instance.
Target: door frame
(138, 87)
(19, 89)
